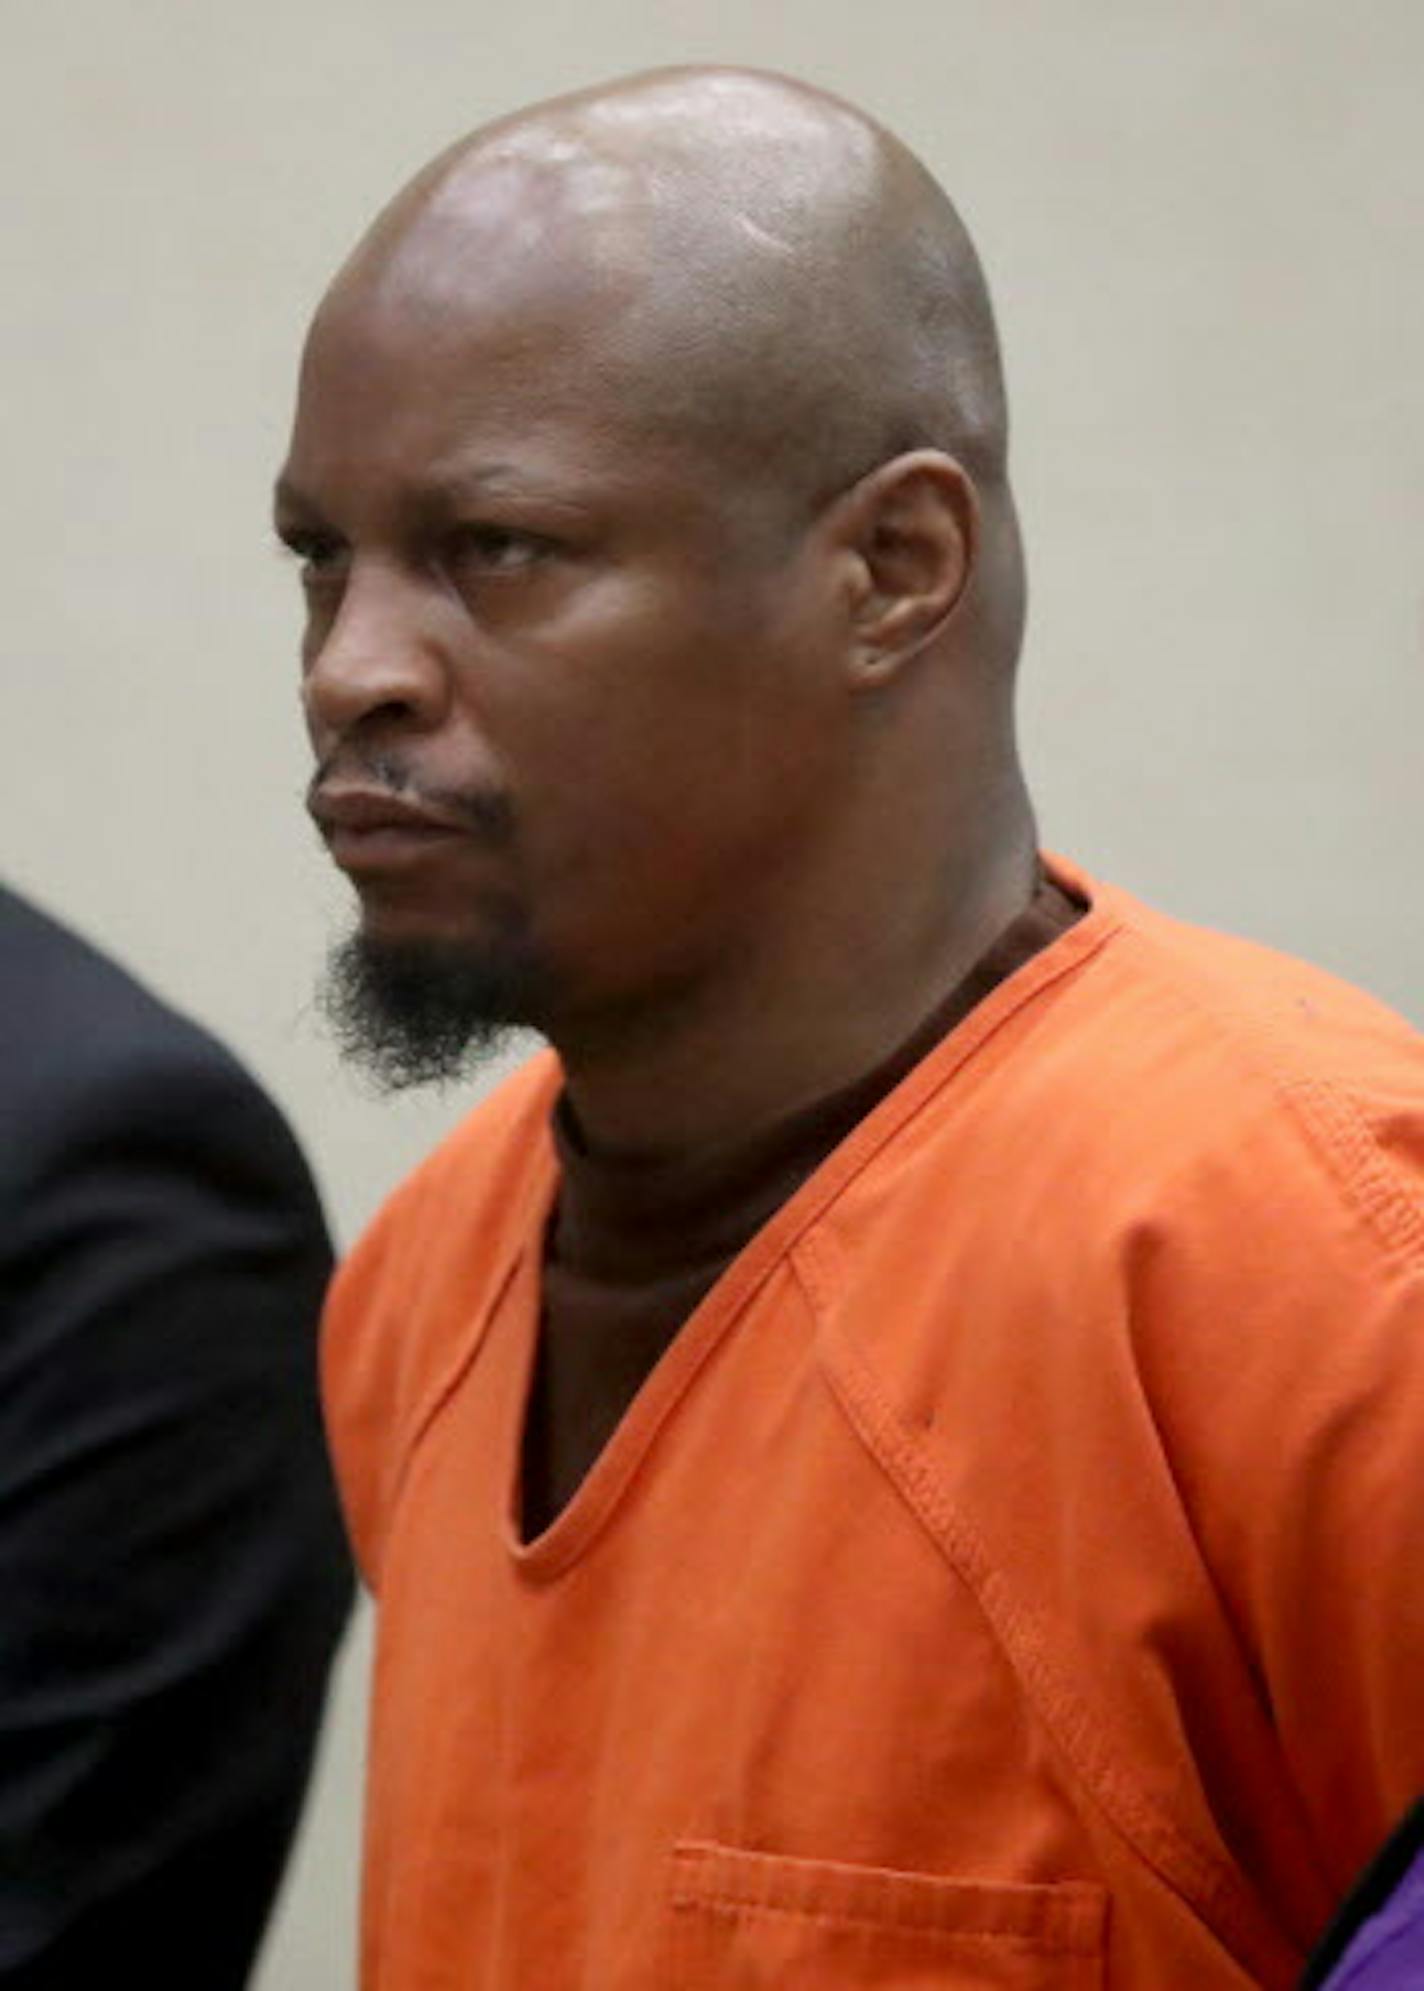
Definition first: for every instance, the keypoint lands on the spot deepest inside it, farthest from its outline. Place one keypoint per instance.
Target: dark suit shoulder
(66, 1005)
(92, 1057)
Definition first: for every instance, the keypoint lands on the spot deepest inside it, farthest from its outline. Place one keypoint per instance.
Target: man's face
(567, 692)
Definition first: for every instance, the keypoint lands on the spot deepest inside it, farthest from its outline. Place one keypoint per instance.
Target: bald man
(891, 1453)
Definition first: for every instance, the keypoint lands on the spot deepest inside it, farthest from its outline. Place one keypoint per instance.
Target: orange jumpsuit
(1010, 1576)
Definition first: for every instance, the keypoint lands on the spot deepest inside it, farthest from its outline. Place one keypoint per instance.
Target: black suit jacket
(173, 1578)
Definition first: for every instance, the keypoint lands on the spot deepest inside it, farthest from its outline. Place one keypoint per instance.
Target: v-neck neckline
(558, 1546)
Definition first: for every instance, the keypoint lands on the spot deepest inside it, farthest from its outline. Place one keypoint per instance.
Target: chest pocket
(753, 1921)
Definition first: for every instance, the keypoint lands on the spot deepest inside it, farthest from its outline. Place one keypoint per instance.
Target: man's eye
(317, 553)
(497, 549)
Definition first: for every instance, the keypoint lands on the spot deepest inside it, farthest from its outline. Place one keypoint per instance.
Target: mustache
(487, 812)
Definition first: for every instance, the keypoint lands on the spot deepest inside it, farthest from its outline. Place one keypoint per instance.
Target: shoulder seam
(1375, 1190)
(1328, 1114)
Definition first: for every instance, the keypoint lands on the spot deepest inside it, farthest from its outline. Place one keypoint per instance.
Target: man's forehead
(457, 411)
(497, 297)
(505, 268)
(492, 386)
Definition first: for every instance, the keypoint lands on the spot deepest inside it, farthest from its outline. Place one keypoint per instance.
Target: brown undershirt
(635, 1244)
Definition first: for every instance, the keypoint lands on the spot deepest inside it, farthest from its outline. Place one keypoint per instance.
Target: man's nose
(376, 662)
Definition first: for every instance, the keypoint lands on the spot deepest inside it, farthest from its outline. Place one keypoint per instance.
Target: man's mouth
(373, 829)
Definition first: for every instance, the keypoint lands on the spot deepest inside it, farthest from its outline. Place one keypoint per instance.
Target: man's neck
(775, 1029)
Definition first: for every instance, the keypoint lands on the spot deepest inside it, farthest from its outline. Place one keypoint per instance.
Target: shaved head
(767, 267)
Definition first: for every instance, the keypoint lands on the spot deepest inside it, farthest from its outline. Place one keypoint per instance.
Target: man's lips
(348, 807)
(369, 829)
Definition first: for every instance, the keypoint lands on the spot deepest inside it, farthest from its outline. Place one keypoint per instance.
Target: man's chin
(408, 1009)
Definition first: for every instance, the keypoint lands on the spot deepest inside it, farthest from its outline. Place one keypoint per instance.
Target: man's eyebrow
(463, 482)
(456, 485)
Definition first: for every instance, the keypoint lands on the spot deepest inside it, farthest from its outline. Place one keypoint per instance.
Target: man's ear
(911, 529)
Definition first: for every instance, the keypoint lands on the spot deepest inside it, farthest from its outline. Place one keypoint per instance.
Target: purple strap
(1386, 1953)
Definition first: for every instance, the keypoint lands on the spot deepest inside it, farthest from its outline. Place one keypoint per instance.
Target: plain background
(1201, 222)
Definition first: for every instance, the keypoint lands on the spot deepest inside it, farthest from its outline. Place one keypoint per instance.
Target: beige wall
(1201, 217)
